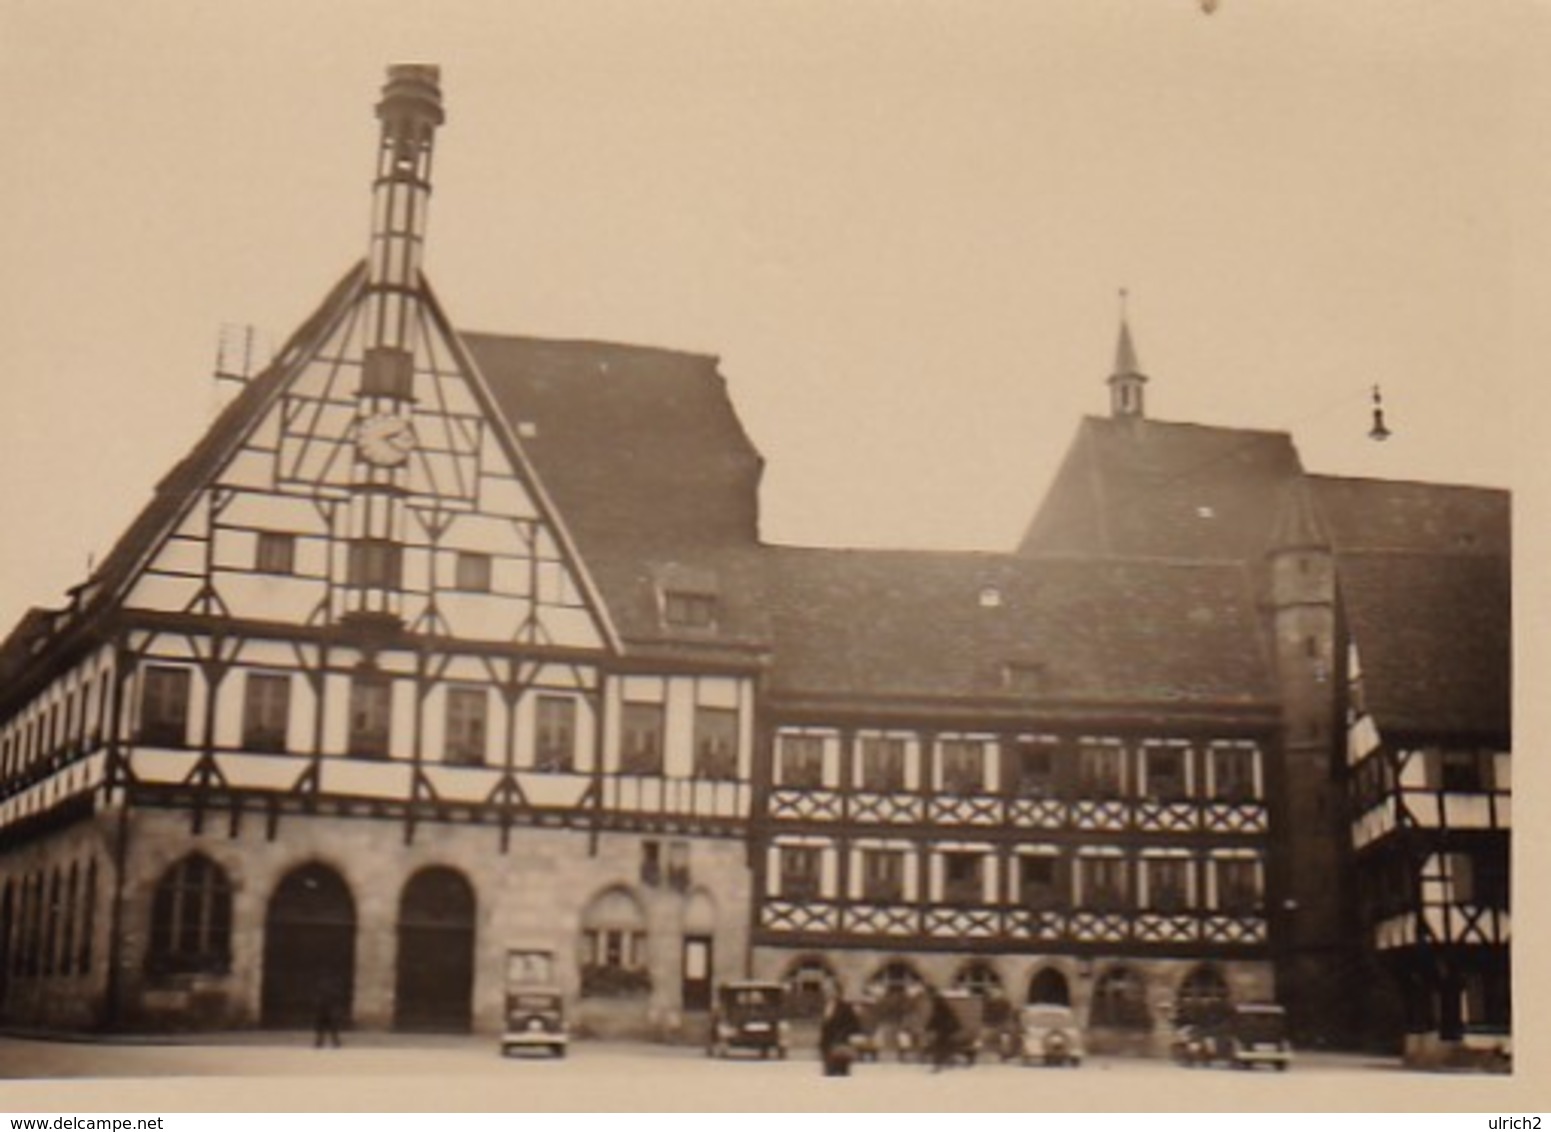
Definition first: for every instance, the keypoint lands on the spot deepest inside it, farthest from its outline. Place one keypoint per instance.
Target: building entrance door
(697, 972)
(434, 988)
(309, 949)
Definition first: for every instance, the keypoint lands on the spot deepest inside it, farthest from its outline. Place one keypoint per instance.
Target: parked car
(1247, 1035)
(748, 1015)
(535, 1019)
(1051, 1035)
(866, 1041)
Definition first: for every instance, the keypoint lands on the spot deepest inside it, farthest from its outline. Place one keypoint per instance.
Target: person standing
(942, 1026)
(326, 1023)
(836, 1029)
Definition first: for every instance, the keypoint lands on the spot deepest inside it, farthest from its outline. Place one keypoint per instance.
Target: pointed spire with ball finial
(1127, 382)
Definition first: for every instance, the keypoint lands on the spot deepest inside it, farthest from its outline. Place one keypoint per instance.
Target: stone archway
(434, 981)
(1203, 996)
(309, 948)
(1120, 1001)
(979, 978)
(1049, 986)
(809, 980)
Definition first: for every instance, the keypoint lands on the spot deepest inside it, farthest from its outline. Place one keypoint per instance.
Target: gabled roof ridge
(1065, 557)
(1327, 477)
(596, 343)
(891, 551)
(1200, 426)
(1108, 556)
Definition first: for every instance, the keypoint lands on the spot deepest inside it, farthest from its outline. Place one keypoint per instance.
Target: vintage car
(1051, 1035)
(535, 1019)
(1246, 1035)
(748, 1015)
(867, 1040)
(535, 1007)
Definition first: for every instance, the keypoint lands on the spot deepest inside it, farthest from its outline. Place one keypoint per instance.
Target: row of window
(77, 719)
(1041, 767)
(267, 708)
(1043, 881)
(1391, 883)
(1452, 770)
(376, 563)
(47, 922)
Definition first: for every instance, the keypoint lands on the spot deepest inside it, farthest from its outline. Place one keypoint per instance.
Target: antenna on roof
(1378, 431)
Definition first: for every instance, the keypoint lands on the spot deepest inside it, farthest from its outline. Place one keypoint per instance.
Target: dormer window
(1023, 676)
(684, 610)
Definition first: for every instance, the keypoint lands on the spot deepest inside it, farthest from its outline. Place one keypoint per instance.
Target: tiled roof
(1434, 635)
(916, 624)
(1155, 488)
(1369, 514)
(650, 469)
(639, 446)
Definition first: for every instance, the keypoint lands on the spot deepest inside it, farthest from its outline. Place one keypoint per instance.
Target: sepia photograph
(831, 556)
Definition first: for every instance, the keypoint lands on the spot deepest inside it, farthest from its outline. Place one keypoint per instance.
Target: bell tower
(410, 110)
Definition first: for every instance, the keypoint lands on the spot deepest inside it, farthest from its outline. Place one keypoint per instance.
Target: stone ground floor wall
(855, 969)
(56, 916)
(534, 896)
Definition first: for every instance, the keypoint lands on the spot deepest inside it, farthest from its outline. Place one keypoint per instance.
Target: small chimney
(410, 111)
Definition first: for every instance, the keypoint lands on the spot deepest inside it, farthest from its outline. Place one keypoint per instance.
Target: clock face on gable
(385, 441)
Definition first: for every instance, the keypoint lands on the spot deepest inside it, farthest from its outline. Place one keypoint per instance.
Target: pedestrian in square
(326, 1021)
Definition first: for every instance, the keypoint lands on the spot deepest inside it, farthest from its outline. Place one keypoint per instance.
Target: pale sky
(901, 225)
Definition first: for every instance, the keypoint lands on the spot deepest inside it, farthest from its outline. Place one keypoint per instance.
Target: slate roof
(1136, 486)
(912, 624)
(1434, 634)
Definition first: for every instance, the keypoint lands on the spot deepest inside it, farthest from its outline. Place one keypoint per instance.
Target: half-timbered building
(443, 646)
(1428, 752)
(1044, 776)
(1421, 572)
(355, 706)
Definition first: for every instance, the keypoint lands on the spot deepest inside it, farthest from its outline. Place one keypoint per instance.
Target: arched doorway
(1050, 987)
(979, 978)
(809, 980)
(1120, 1001)
(309, 947)
(434, 987)
(1203, 996)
